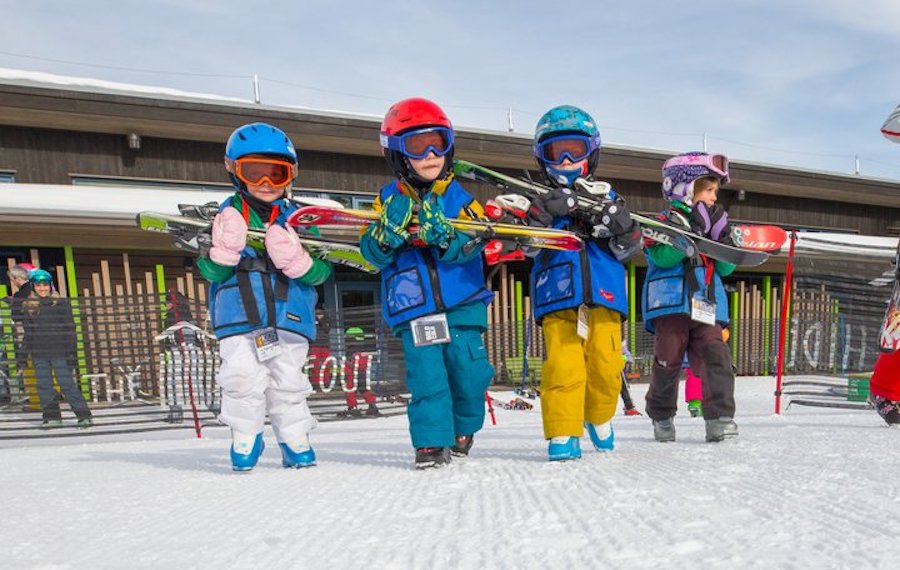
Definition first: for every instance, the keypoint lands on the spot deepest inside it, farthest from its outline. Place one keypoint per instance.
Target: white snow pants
(250, 387)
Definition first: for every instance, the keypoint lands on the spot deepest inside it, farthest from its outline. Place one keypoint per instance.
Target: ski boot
(462, 445)
(564, 448)
(373, 410)
(51, 423)
(431, 457)
(85, 423)
(664, 430)
(889, 410)
(602, 436)
(245, 450)
(297, 456)
(695, 407)
(720, 429)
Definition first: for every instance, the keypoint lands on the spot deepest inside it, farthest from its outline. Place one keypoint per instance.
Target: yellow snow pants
(582, 378)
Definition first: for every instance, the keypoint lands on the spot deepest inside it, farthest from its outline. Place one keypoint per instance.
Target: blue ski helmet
(40, 276)
(566, 120)
(680, 172)
(259, 138)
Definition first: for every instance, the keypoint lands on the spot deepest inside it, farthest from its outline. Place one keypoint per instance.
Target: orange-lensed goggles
(258, 171)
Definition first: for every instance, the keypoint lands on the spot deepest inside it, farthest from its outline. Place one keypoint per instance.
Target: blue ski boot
(602, 436)
(564, 448)
(245, 451)
(305, 456)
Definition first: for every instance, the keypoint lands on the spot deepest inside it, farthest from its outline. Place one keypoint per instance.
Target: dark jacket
(49, 329)
(17, 299)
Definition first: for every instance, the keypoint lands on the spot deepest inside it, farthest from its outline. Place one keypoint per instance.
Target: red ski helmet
(409, 115)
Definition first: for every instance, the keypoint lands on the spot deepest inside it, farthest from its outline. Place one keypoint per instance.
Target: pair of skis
(191, 232)
(546, 238)
(590, 197)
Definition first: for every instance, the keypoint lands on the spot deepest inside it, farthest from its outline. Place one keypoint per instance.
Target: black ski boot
(720, 429)
(664, 430)
(889, 410)
(428, 457)
(462, 446)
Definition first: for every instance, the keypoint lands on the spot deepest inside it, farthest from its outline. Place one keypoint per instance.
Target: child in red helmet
(433, 297)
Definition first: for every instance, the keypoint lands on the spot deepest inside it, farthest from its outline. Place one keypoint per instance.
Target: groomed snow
(812, 488)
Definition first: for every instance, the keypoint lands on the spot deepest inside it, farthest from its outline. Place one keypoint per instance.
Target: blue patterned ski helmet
(561, 120)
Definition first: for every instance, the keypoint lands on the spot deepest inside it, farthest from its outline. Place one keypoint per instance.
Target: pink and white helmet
(680, 172)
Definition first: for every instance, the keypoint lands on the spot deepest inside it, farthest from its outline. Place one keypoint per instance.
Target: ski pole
(490, 406)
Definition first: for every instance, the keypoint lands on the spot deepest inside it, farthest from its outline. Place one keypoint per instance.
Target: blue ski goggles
(575, 147)
(420, 143)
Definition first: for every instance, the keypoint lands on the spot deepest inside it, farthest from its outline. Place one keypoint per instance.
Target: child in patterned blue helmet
(684, 301)
(579, 297)
(262, 302)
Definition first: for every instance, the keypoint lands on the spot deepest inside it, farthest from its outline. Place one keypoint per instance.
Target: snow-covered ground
(812, 488)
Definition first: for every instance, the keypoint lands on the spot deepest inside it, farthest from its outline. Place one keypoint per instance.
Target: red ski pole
(490, 405)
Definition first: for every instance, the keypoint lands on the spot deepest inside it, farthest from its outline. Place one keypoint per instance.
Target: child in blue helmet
(262, 302)
(579, 297)
(49, 338)
(433, 297)
(684, 302)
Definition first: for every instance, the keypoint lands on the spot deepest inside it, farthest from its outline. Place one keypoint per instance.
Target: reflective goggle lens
(418, 144)
(257, 170)
(574, 147)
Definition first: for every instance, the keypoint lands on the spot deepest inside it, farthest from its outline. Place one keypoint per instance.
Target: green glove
(434, 227)
(390, 230)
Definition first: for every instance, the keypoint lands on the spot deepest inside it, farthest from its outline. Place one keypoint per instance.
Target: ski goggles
(420, 143)
(715, 163)
(555, 150)
(257, 171)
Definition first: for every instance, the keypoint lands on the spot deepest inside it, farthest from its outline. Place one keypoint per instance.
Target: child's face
(567, 164)
(706, 190)
(41, 289)
(428, 168)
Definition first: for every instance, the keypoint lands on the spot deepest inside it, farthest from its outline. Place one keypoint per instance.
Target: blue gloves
(434, 227)
(390, 231)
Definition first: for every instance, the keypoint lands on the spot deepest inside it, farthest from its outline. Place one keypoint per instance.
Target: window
(7, 176)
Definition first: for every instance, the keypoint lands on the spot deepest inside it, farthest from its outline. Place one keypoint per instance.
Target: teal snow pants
(447, 383)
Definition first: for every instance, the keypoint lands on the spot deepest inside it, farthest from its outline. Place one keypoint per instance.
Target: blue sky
(796, 82)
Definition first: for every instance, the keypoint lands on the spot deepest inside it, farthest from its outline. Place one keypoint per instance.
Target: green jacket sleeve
(319, 273)
(724, 269)
(212, 271)
(664, 256)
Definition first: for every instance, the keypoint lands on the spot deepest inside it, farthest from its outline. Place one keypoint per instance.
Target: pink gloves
(229, 237)
(286, 252)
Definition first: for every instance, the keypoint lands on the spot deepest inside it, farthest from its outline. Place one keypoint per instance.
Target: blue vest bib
(566, 279)
(418, 283)
(666, 293)
(279, 302)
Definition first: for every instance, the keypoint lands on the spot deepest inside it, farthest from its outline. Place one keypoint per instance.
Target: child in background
(579, 297)
(684, 301)
(262, 302)
(433, 297)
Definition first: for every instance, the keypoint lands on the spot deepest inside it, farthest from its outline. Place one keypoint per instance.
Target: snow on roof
(112, 203)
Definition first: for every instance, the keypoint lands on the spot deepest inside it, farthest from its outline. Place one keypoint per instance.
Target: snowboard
(192, 234)
(545, 238)
(889, 338)
(590, 197)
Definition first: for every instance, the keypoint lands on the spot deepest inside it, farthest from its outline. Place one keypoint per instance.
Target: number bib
(431, 329)
(702, 311)
(267, 346)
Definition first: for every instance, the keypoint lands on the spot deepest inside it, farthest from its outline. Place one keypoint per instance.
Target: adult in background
(50, 341)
